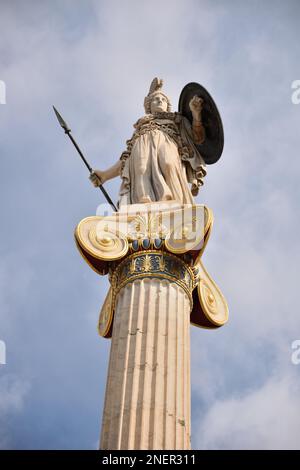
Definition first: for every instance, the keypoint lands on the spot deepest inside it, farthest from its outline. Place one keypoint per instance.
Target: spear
(68, 132)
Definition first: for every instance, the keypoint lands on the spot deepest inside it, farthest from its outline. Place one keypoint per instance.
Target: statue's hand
(97, 177)
(196, 104)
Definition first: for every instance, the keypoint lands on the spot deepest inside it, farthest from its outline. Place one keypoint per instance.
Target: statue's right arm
(100, 176)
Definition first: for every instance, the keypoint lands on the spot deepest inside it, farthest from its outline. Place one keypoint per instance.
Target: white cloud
(13, 391)
(265, 418)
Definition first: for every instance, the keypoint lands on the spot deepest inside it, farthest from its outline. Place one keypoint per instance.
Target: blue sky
(95, 61)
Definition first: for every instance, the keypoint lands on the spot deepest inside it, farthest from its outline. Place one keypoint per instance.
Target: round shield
(212, 147)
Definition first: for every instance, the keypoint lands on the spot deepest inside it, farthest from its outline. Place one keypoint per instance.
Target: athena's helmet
(155, 89)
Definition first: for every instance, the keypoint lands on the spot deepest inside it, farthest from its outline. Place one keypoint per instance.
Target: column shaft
(147, 400)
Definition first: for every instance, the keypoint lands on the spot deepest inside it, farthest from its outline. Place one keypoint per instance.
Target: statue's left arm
(197, 126)
(192, 135)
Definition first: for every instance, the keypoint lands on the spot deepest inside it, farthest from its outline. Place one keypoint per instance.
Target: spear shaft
(68, 132)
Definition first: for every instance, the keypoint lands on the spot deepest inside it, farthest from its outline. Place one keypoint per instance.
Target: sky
(94, 60)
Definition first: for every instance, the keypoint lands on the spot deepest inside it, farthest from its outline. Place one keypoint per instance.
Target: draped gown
(161, 161)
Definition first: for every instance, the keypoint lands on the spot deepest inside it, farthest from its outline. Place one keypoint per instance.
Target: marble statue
(161, 162)
(151, 249)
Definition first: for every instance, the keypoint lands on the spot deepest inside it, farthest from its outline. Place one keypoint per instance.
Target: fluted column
(147, 402)
(152, 253)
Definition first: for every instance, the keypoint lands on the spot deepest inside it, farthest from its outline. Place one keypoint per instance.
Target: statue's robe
(161, 161)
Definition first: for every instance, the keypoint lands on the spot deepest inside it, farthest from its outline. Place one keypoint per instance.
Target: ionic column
(159, 287)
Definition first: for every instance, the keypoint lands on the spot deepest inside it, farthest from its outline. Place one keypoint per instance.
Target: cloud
(13, 392)
(265, 418)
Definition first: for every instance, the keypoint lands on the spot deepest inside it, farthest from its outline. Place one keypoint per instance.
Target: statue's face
(158, 104)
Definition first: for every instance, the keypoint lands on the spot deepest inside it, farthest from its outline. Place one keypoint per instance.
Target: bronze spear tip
(61, 121)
